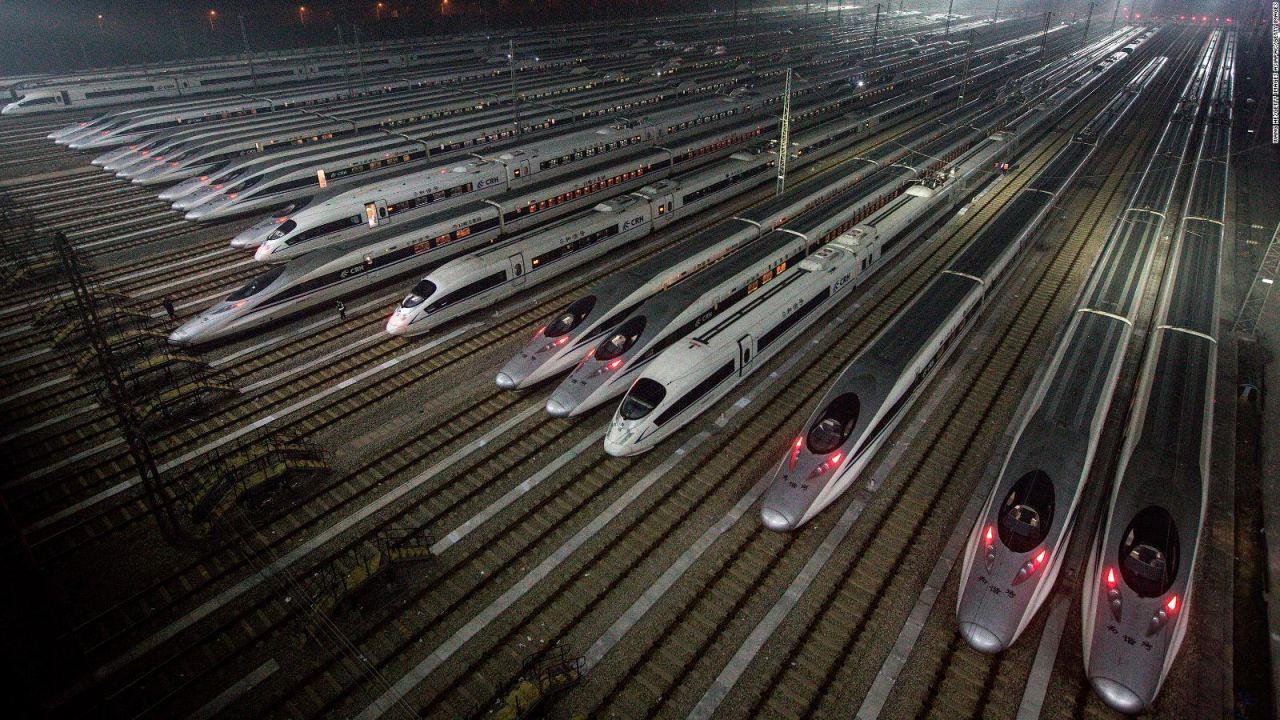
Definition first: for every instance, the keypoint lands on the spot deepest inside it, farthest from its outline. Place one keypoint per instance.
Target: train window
(571, 316)
(257, 284)
(1027, 512)
(419, 294)
(641, 399)
(621, 340)
(285, 228)
(835, 423)
(1149, 552)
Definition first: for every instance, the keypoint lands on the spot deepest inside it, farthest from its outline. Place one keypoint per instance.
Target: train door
(744, 355)
(663, 210)
(383, 216)
(66, 99)
(517, 269)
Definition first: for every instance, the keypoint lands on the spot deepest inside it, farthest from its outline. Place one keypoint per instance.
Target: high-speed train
(568, 335)
(500, 271)
(874, 391)
(490, 275)
(402, 198)
(1138, 588)
(1032, 508)
(696, 371)
(609, 368)
(454, 235)
(279, 71)
(344, 214)
(274, 185)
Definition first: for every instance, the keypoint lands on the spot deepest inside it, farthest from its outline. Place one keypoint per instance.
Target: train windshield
(419, 294)
(257, 284)
(1149, 552)
(834, 424)
(642, 398)
(285, 228)
(572, 315)
(1027, 512)
(622, 340)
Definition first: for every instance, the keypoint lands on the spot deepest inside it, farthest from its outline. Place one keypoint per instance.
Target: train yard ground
(460, 531)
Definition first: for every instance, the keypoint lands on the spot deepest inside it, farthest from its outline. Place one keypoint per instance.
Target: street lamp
(212, 14)
(302, 14)
(378, 11)
(101, 29)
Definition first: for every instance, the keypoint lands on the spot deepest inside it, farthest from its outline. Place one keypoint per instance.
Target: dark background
(66, 35)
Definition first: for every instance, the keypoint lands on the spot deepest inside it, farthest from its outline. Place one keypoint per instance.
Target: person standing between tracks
(342, 311)
(169, 309)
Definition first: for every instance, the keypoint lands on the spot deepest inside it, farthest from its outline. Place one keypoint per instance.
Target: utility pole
(346, 75)
(1088, 19)
(875, 29)
(355, 32)
(785, 137)
(515, 104)
(1115, 15)
(126, 414)
(995, 17)
(1045, 35)
(947, 34)
(964, 74)
(244, 36)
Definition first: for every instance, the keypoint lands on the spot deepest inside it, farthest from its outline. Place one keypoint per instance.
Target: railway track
(335, 687)
(366, 322)
(450, 499)
(282, 525)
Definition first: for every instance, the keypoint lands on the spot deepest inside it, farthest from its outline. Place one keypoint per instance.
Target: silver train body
(699, 369)
(1031, 513)
(567, 337)
(1138, 589)
(320, 277)
(875, 390)
(504, 270)
(616, 361)
(275, 186)
(279, 71)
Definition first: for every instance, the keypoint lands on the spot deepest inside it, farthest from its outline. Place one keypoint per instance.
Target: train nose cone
(557, 406)
(506, 382)
(1117, 696)
(980, 638)
(181, 336)
(776, 520)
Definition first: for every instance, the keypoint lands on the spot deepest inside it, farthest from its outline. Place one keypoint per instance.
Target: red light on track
(1111, 577)
(1172, 605)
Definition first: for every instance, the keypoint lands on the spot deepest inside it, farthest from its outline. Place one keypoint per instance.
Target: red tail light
(1040, 557)
(990, 534)
(615, 364)
(795, 452)
(1111, 577)
(1172, 605)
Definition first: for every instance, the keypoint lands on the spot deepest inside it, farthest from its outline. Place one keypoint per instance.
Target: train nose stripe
(980, 638)
(1117, 696)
